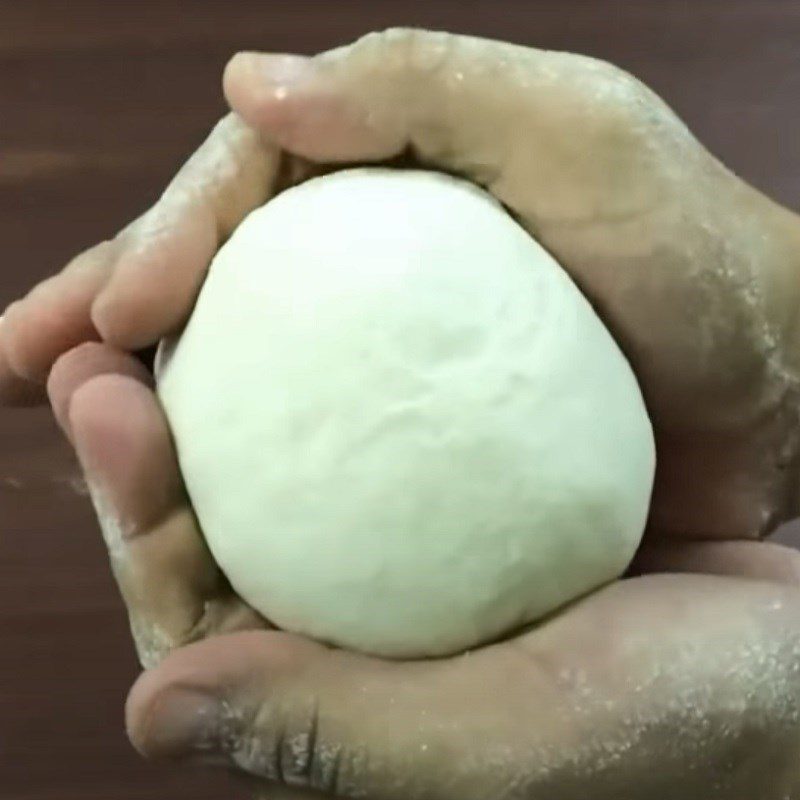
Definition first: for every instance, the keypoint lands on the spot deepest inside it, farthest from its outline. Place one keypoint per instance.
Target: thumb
(288, 711)
(486, 109)
(663, 686)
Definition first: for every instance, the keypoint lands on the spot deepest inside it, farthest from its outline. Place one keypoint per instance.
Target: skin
(680, 680)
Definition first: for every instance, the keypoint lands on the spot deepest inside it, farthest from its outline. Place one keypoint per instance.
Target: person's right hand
(695, 272)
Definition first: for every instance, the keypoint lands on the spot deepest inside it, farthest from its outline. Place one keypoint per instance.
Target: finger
(79, 365)
(171, 586)
(767, 561)
(51, 319)
(15, 391)
(497, 113)
(166, 252)
(662, 686)
(141, 285)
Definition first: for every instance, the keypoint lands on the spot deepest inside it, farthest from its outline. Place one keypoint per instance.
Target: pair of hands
(681, 680)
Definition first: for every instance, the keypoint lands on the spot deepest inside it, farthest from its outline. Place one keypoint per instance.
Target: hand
(666, 686)
(694, 273)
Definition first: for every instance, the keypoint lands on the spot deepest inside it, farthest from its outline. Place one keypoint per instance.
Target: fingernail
(281, 70)
(184, 723)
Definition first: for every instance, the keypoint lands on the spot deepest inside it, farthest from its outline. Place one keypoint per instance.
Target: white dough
(403, 428)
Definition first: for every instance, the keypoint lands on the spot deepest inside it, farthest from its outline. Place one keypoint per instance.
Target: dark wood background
(100, 101)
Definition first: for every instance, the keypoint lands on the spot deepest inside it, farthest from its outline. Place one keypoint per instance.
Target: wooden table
(100, 101)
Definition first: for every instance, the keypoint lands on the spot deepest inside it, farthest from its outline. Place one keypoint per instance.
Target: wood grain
(99, 103)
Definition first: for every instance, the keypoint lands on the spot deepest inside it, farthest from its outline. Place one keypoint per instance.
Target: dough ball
(403, 428)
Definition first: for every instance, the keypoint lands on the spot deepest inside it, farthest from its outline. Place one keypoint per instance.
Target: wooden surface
(99, 103)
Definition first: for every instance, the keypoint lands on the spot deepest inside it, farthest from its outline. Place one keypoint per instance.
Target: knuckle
(400, 74)
(626, 96)
(401, 51)
(100, 252)
(296, 750)
(310, 758)
(152, 643)
(627, 104)
(103, 249)
(95, 263)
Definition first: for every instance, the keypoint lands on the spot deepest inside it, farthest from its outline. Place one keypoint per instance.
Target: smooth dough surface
(403, 428)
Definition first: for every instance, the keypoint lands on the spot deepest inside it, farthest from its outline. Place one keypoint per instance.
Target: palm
(592, 677)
